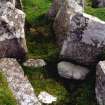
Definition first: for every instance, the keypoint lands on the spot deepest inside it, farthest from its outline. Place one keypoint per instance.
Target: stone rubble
(18, 82)
(35, 63)
(46, 98)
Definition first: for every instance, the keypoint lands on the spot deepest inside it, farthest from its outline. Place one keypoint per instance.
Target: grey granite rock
(12, 36)
(72, 71)
(18, 82)
(80, 36)
(100, 83)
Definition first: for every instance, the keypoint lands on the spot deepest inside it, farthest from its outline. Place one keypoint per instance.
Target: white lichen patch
(46, 98)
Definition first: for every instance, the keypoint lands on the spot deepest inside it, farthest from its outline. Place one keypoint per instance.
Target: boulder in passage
(72, 71)
(34, 63)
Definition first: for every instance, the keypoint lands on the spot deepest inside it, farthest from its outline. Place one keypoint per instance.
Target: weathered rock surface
(57, 4)
(16, 3)
(98, 3)
(80, 36)
(72, 71)
(34, 63)
(100, 83)
(12, 1)
(12, 36)
(18, 82)
(46, 98)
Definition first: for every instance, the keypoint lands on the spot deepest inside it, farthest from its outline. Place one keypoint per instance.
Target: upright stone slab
(62, 20)
(99, 3)
(100, 83)
(80, 36)
(12, 36)
(18, 82)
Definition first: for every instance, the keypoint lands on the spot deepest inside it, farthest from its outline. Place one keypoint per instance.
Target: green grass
(98, 12)
(6, 96)
(35, 9)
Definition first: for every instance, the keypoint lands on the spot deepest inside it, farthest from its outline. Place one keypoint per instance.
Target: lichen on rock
(12, 36)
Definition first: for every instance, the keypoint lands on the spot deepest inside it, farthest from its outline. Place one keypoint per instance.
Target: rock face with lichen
(100, 83)
(72, 71)
(12, 36)
(80, 36)
(98, 3)
(18, 82)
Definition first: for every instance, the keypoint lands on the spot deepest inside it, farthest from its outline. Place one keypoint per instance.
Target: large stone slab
(100, 83)
(12, 36)
(72, 71)
(80, 36)
(18, 82)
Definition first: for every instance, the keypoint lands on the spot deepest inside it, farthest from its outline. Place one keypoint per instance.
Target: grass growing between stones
(41, 44)
(98, 12)
(6, 96)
